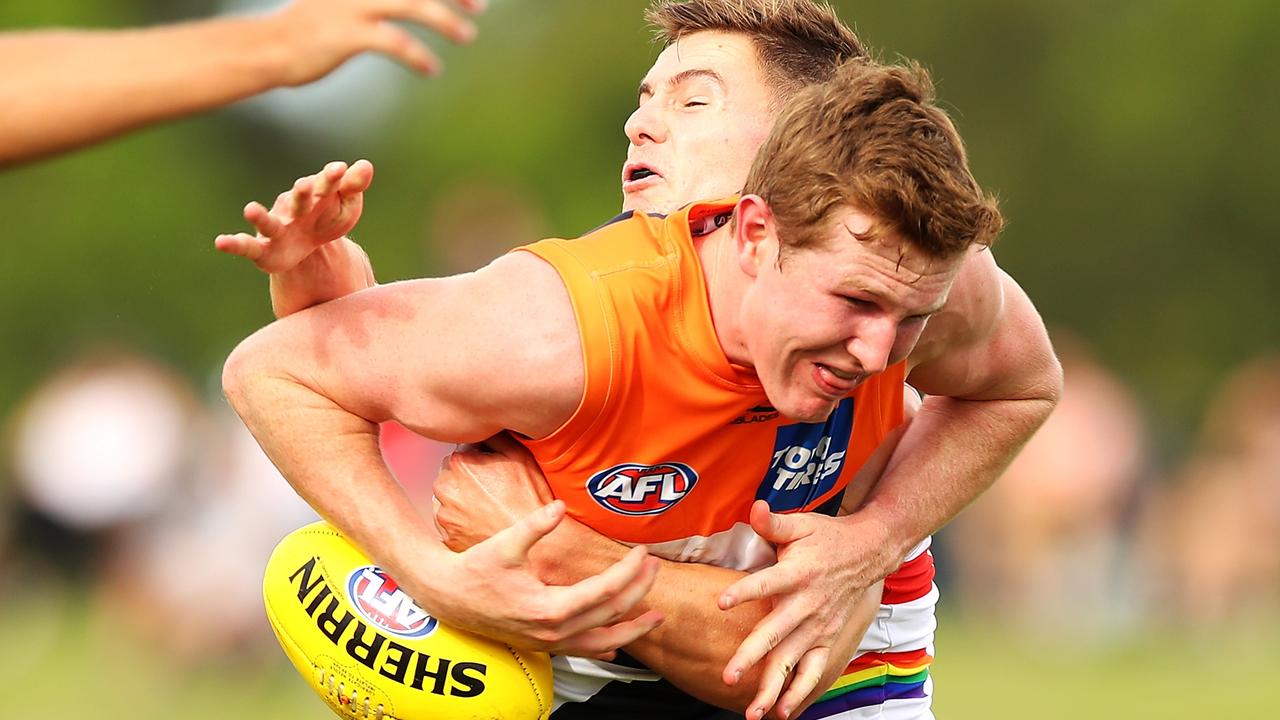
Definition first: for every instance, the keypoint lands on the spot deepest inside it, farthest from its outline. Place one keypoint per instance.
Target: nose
(646, 125)
(872, 343)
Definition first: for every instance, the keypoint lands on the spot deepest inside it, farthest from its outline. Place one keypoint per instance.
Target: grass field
(64, 658)
(988, 674)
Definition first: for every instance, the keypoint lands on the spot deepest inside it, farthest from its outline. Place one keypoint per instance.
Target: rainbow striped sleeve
(871, 679)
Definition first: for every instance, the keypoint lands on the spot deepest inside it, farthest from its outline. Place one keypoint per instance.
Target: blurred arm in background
(61, 89)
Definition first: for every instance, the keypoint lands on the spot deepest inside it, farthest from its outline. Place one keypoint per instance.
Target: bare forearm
(65, 88)
(693, 645)
(335, 269)
(951, 453)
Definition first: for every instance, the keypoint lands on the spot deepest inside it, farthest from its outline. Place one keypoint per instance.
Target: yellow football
(370, 652)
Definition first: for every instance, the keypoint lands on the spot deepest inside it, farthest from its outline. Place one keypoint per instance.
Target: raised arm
(444, 358)
(65, 88)
(301, 241)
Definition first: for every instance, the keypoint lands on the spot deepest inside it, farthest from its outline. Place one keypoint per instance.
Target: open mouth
(633, 175)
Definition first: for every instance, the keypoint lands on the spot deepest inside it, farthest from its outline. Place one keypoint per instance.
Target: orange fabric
(670, 440)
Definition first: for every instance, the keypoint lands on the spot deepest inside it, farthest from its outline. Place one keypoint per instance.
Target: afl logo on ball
(380, 600)
(633, 489)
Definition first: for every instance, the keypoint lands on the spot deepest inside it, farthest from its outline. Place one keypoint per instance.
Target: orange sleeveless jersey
(671, 444)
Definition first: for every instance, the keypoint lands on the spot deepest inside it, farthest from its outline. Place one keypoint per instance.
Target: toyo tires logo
(380, 600)
(635, 489)
(807, 460)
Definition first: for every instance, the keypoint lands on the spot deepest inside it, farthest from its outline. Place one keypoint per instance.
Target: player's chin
(634, 202)
(648, 201)
(810, 409)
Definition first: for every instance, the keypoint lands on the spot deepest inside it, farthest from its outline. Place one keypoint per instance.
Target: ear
(755, 234)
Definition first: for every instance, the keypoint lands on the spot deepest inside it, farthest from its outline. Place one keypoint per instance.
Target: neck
(724, 290)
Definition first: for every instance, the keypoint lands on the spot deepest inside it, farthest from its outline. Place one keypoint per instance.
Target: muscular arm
(435, 355)
(64, 88)
(992, 378)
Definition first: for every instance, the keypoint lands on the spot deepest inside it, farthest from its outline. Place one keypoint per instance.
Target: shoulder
(522, 306)
(628, 240)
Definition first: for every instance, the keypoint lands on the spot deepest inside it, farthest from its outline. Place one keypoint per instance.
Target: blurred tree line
(1132, 145)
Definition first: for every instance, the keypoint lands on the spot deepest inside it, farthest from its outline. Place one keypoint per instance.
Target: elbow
(243, 366)
(1043, 394)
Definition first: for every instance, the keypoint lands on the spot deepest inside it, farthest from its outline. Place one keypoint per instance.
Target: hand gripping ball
(370, 652)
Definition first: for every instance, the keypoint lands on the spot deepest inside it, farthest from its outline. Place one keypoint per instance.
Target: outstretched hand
(495, 593)
(823, 570)
(317, 210)
(323, 34)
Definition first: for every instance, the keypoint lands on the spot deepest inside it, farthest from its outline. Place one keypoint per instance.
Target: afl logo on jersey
(381, 601)
(634, 489)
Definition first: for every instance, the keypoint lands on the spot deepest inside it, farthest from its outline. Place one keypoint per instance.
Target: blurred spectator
(99, 446)
(172, 507)
(65, 88)
(1045, 546)
(203, 556)
(1216, 536)
(104, 442)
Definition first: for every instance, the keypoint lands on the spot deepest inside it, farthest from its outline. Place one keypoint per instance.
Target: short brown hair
(798, 42)
(872, 139)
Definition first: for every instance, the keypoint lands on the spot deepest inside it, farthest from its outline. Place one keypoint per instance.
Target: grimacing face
(836, 313)
(704, 110)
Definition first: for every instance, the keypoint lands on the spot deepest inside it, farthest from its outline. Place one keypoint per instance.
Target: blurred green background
(1133, 146)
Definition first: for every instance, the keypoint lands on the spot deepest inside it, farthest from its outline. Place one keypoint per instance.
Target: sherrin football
(371, 652)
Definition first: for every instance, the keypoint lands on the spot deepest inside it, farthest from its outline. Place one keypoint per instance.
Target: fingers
(514, 543)
(774, 527)
(328, 179)
(303, 196)
(357, 178)
(266, 223)
(399, 44)
(439, 17)
(243, 244)
(804, 681)
(764, 637)
(617, 599)
(773, 580)
(602, 643)
(771, 681)
(630, 578)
